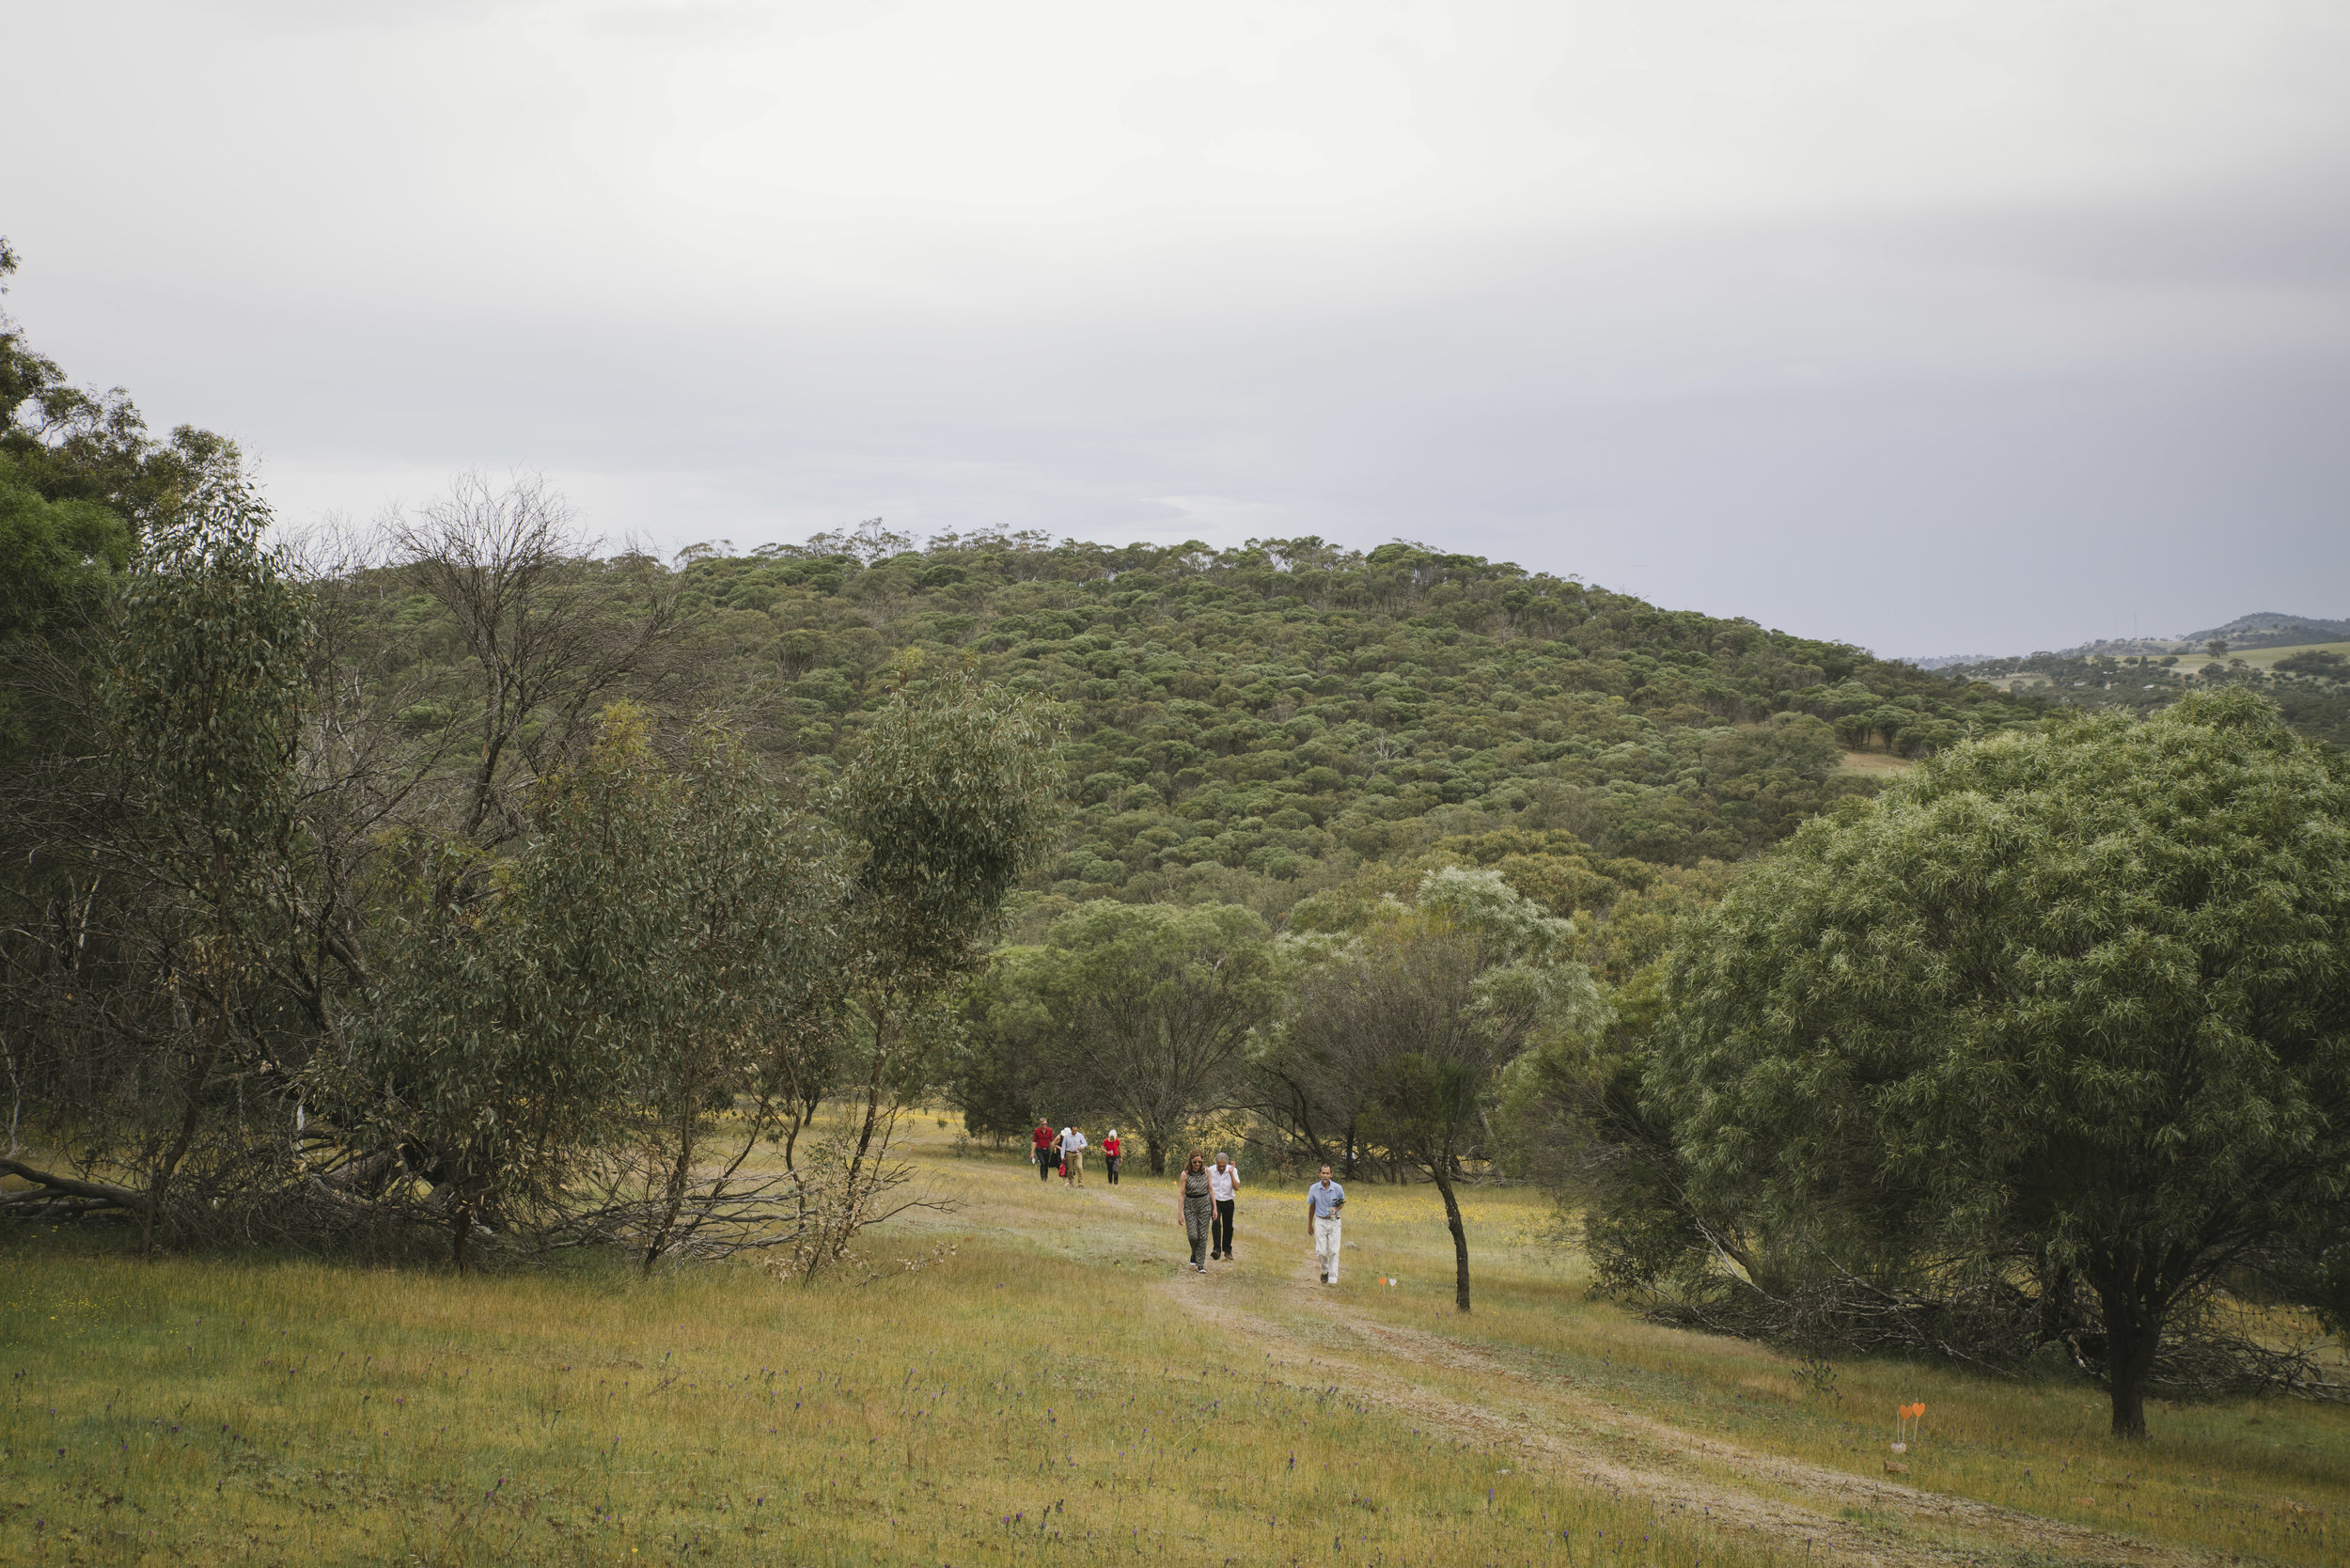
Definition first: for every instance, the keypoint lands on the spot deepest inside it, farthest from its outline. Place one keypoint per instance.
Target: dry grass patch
(1009, 1406)
(2264, 1479)
(1056, 1392)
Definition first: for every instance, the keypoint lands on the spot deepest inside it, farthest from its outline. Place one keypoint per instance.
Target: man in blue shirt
(1324, 1200)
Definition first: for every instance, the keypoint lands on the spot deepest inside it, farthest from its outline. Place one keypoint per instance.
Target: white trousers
(1326, 1245)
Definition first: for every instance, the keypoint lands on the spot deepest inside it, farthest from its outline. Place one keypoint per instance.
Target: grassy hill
(2265, 660)
(2272, 628)
(2303, 679)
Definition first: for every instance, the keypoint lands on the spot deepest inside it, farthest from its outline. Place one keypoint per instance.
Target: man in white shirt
(1324, 1200)
(1073, 1156)
(1223, 1183)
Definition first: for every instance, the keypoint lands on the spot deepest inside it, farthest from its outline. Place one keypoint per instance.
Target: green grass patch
(1004, 1407)
(1041, 1397)
(2267, 1480)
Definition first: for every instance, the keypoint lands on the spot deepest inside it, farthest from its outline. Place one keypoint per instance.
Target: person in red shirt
(1047, 1152)
(1111, 1149)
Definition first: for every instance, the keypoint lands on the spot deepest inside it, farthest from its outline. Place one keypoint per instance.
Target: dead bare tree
(365, 769)
(552, 632)
(849, 1186)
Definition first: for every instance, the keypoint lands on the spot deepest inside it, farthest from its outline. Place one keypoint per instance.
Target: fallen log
(105, 1192)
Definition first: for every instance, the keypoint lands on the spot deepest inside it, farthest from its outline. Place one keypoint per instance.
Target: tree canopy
(2073, 1007)
(1412, 1021)
(1247, 721)
(1138, 1013)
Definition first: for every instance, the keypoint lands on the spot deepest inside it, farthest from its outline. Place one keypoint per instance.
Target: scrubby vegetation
(458, 890)
(1289, 709)
(2307, 684)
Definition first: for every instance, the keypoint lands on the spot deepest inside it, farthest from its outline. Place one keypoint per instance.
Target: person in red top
(1047, 1156)
(1111, 1150)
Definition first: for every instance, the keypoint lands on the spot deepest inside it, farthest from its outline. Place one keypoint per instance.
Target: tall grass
(2264, 1479)
(1042, 1397)
(1004, 1408)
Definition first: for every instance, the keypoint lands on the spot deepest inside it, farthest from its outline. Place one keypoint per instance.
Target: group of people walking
(1207, 1196)
(1063, 1155)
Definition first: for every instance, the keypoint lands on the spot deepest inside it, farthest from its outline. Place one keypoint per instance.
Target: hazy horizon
(1948, 327)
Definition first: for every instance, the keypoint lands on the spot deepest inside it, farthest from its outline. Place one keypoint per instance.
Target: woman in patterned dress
(1194, 1206)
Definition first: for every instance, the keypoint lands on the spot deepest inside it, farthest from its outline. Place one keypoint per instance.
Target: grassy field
(2260, 658)
(1057, 1391)
(2257, 658)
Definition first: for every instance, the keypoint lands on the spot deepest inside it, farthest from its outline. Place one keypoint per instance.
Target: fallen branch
(104, 1192)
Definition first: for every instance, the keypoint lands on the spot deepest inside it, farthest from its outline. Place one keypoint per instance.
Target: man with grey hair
(1223, 1183)
(1324, 1200)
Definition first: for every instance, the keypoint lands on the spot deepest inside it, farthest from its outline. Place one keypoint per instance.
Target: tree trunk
(872, 1088)
(674, 1199)
(2132, 1333)
(1158, 1154)
(2129, 1402)
(459, 1236)
(122, 1198)
(1460, 1235)
(802, 1117)
(179, 1151)
(1306, 1124)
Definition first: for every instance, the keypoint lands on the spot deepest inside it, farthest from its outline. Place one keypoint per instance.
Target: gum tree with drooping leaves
(2077, 1001)
(1425, 1009)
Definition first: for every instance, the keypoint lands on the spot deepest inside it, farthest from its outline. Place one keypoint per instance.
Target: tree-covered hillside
(1277, 713)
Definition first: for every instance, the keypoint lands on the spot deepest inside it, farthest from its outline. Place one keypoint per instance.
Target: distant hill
(2139, 675)
(2269, 629)
(2261, 629)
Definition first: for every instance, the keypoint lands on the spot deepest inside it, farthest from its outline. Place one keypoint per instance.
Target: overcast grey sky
(1988, 325)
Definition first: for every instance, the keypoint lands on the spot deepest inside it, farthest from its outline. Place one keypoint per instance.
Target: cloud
(1931, 326)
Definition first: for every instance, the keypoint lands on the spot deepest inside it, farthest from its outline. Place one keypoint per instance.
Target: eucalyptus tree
(951, 797)
(1145, 1012)
(588, 1048)
(1425, 1011)
(547, 633)
(54, 556)
(505, 1059)
(2075, 1005)
(200, 698)
(121, 556)
(1295, 1082)
(997, 1075)
(749, 994)
(71, 444)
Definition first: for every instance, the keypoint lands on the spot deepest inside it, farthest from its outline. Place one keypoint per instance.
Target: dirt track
(1700, 1481)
